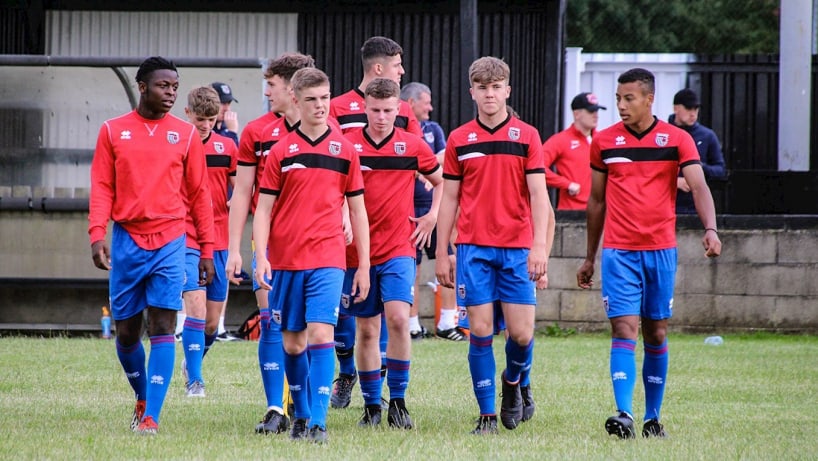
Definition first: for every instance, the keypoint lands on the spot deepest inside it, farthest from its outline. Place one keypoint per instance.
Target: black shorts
(430, 250)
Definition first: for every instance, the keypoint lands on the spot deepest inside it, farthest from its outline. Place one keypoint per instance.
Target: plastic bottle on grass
(106, 323)
(714, 341)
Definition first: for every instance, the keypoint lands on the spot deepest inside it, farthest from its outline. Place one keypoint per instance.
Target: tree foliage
(688, 26)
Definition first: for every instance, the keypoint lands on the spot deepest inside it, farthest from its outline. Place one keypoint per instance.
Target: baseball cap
(225, 93)
(587, 101)
(687, 98)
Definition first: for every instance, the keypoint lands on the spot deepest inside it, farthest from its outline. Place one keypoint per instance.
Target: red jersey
(310, 180)
(141, 173)
(388, 170)
(640, 191)
(250, 149)
(492, 165)
(570, 151)
(220, 156)
(348, 110)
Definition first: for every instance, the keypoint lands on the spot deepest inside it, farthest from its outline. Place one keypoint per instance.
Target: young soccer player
(146, 164)
(381, 58)
(390, 159)
(299, 216)
(257, 139)
(204, 305)
(633, 190)
(501, 235)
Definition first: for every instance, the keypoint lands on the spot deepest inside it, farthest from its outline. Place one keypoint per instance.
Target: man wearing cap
(686, 115)
(228, 122)
(569, 153)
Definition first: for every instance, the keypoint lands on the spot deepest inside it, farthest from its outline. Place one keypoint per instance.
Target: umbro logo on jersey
(125, 135)
(574, 144)
(354, 106)
(472, 137)
(359, 148)
(513, 133)
(334, 147)
(661, 139)
(400, 148)
(620, 140)
(173, 137)
(293, 148)
(276, 131)
(219, 147)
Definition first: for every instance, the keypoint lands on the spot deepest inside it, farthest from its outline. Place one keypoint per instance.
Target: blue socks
(132, 359)
(483, 369)
(193, 344)
(322, 370)
(525, 373)
(371, 386)
(654, 375)
(208, 342)
(297, 369)
(271, 360)
(623, 373)
(345, 344)
(397, 377)
(160, 371)
(518, 358)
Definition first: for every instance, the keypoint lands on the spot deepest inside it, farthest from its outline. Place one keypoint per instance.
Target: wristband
(710, 228)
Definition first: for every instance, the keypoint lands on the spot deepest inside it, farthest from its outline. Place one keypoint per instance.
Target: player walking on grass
(257, 139)
(204, 305)
(501, 236)
(308, 175)
(147, 166)
(633, 191)
(390, 158)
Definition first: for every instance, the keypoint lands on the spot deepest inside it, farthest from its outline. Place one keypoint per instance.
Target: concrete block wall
(765, 279)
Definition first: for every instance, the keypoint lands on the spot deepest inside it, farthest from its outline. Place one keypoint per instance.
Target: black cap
(225, 92)
(687, 98)
(587, 101)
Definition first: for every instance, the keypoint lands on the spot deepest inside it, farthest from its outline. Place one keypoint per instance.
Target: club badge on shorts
(173, 137)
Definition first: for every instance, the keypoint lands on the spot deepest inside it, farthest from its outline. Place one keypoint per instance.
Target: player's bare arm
(237, 218)
(101, 255)
(422, 235)
(703, 200)
(360, 228)
(261, 234)
(444, 268)
(596, 219)
(538, 255)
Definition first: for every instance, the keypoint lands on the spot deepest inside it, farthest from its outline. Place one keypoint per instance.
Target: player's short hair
(376, 48)
(382, 88)
(643, 76)
(488, 69)
(287, 64)
(308, 77)
(413, 90)
(203, 101)
(152, 64)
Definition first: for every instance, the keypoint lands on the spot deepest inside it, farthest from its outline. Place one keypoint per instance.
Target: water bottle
(106, 323)
(714, 340)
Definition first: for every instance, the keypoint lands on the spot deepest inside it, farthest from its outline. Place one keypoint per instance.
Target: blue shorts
(256, 286)
(638, 283)
(217, 289)
(499, 320)
(308, 296)
(393, 280)
(140, 278)
(488, 274)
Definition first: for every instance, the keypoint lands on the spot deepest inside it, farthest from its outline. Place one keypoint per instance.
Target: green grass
(755, 397)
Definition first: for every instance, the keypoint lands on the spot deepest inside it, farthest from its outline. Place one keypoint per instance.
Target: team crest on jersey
(219, 147)
(472, 137)
(359, 147)
(400, 148)
(661, 139)
(513, 133)
(429, 137)
(334, 147)
(354, 106)
(125, 135)
(173, 137)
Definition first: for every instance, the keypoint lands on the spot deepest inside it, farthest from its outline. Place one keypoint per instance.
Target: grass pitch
(754, 397)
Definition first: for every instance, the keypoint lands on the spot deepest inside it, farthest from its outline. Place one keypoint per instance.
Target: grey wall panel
(189, 34)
